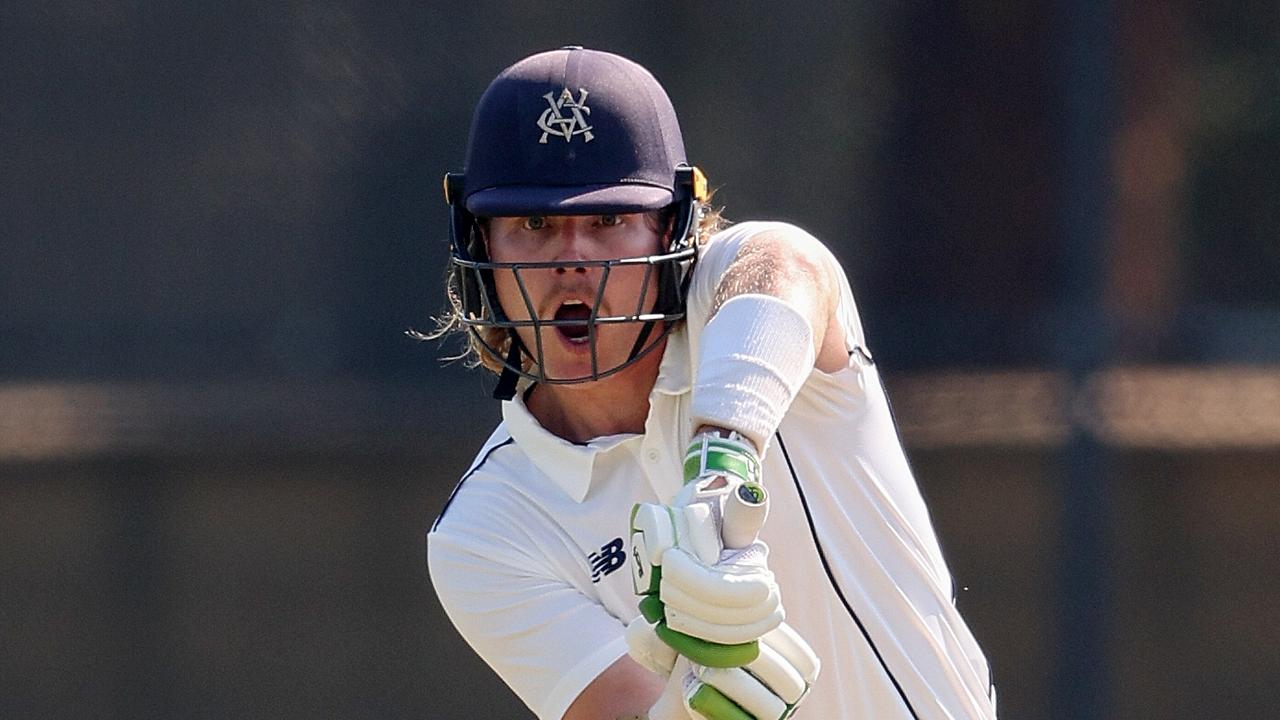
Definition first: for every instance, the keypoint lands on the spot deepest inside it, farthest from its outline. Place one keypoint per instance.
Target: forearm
(623, 691)
(798, 272)
(774, 318)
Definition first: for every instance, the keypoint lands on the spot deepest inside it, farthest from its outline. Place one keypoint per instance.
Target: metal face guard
(670, 268)
(471, 274)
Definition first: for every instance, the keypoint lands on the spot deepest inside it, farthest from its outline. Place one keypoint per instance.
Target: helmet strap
(506, 388)
(639, 344)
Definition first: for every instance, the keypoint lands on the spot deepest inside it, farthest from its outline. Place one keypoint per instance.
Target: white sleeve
(720, 252)
(544, 638)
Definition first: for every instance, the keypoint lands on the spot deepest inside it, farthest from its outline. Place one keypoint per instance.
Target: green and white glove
(768, 688)
(702, 574)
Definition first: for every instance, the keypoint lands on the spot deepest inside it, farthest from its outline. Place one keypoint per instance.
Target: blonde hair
(474, 353)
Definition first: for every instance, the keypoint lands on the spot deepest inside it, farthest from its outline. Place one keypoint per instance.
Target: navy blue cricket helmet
(572, 132)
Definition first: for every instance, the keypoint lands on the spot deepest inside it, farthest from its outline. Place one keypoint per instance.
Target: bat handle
(744, 513)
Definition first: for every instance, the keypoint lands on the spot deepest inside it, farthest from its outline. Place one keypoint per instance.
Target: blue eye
(610, 220)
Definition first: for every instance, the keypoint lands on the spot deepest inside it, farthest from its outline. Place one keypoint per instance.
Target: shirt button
(652, 455)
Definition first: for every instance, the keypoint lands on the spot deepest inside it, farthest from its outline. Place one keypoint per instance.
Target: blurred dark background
(219, 452)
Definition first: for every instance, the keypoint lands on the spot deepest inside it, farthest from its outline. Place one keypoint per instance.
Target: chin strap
(639, 343)
(506, 388)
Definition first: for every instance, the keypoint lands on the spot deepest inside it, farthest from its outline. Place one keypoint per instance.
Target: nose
(574, 245)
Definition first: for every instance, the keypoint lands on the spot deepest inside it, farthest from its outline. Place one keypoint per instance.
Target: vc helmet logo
(565, 117)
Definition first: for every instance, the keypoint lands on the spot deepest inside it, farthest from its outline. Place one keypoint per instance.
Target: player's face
(569, 292)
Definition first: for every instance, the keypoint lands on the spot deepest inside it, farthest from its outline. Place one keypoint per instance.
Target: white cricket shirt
(528, 557)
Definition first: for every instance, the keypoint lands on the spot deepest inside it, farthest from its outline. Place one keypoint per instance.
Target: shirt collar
(570, 465)
(673, 373)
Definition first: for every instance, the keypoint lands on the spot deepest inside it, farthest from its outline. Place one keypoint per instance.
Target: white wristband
(756, 352)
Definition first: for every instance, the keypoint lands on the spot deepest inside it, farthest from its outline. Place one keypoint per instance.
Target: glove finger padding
(722, 584)
(786, 680)
(725, 603)
(768, 688)
(793, 650)
(701, 530)
(724, 633)
(677, 600)
(740, 688)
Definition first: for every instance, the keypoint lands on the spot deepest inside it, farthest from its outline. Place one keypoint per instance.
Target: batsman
(696, 505)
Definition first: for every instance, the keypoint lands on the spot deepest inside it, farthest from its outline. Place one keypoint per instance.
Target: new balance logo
(610, 558)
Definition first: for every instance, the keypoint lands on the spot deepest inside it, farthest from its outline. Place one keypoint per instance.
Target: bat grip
(744, 513)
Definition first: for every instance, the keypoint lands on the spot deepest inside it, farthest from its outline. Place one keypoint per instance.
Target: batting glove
(770, 687)
(703, 577)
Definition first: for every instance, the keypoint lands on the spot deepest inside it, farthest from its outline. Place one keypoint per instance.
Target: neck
(581, 412)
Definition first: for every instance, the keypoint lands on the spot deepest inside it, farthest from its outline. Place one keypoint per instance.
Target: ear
(664, 223)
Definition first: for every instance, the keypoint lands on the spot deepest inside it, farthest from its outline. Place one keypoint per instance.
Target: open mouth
(577, 312)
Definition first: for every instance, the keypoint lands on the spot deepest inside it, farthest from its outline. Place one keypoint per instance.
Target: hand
(703, 576)
(768, 688)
